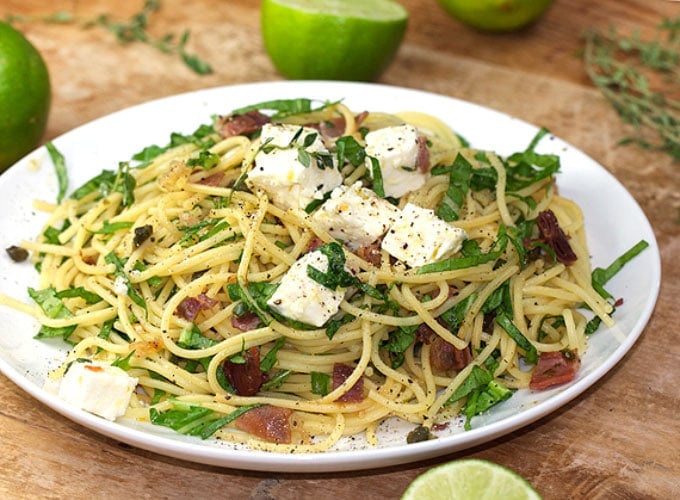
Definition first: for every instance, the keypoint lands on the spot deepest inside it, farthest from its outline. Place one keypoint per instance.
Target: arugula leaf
(601, 276)
(376, 175)
(530, 353)
(260, 293)
(472, 255)
(398, 342)
(276, 381)
(460, 174)
(60, 169)
(203, 137)
(269, 360)
(320, 383)
(193, 338)
(454, 317)
(102, 182)
(205, 159)
(477, 378)
(348, 148)
(482, 392)
(123, 363)
(53, 307)
(110, 228)
(79, 291)
(284, 107)
(484, 398)
(336, 275)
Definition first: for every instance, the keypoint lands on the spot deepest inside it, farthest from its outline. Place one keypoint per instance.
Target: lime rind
(470, 479)
(375, 10)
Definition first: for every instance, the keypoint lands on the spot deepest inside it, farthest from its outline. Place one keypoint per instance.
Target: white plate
(614, 223)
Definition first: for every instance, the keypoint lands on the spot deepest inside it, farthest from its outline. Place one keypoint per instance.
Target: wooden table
(619, 440)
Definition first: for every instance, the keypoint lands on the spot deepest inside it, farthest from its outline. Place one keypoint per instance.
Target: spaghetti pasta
(167, 268)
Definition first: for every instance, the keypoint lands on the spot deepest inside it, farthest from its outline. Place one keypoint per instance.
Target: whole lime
(24, 96)
(496, 15)
(332, 39)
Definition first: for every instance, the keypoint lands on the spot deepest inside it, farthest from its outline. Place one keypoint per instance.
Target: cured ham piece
(445, 356)
(244, 124)
(423, 156)
(191, 306)
(246, 378)
(342, 372)
(554, 368)
(268, 422)
(555, 237)
(246, 322)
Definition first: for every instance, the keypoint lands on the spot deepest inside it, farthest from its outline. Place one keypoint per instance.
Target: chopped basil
(194, 420)
(59, 168)
(193, 338)
(601, 276)
(376, 174)
(530, 353)
(398, 342)
(269, 360)
(348, 148)
(336, 275)
(110, 228)
(284, 107)
(320, 383)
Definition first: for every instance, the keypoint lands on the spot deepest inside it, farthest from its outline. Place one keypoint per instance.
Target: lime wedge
(470, 479)
(332, 39)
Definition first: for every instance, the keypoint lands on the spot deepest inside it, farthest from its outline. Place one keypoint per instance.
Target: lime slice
(470, 479)
(332, 39)
(496, 15)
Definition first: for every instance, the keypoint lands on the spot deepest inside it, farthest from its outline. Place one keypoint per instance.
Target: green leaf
(376, 175)
(336, 276)
(60, 169)
(398, 342)
(320, 383)
(530, 353)
(269, 360)
(193, 338)
(477, 378)
(348, 148)
(601, 276)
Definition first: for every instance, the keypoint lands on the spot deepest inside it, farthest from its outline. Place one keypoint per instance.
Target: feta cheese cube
(279, 171)
(419, 237)
(355, 215)
(396, 148)
(101, 389)
(300, 298)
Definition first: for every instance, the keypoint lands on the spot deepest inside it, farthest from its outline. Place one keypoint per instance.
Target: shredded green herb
(641, 80)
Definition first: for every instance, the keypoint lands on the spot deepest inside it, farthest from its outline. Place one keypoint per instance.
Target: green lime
(332, 39)
(24, 96)
(470, 479)
(496, 15)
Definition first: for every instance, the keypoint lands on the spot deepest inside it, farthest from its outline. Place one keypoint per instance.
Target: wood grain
(619, 440)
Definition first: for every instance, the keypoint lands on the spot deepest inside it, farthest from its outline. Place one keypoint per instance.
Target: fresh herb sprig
(641, 79)
(133, 30)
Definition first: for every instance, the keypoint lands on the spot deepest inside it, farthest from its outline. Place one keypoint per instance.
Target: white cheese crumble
(419, 237)
(396, 148)
(355, 215)
(301, 298)
(101, 389)
(279, 172)
(120, 285)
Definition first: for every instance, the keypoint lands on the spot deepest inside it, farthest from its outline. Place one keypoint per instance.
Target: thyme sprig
(641, 79)
(133, 30)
